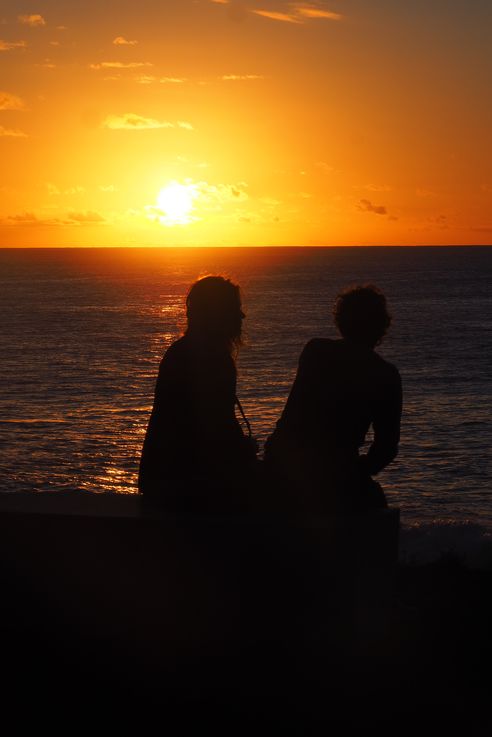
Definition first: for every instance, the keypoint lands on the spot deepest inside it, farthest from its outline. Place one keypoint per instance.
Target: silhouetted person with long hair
(195, 446)
(342, 388)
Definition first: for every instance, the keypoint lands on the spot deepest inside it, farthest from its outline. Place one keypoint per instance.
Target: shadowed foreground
(112, 614)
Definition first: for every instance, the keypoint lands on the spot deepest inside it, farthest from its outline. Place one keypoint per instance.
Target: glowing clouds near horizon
(175, 204)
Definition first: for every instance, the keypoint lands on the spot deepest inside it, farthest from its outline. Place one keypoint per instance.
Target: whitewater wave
(469, 542)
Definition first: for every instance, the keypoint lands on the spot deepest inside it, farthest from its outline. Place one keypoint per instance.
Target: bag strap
(241, 410)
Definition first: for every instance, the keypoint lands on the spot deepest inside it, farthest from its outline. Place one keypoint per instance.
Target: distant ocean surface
(83, 331)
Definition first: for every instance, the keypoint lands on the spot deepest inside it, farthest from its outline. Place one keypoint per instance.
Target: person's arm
(386, 426)
(300, 403)
(149, 469)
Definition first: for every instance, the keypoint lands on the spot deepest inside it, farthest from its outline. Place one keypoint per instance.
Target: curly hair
(361, 314)
(213, 309)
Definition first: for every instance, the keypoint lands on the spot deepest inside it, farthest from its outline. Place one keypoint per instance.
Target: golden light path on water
(85, 331)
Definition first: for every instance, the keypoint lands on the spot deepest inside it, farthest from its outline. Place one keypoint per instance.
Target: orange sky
(265, 122)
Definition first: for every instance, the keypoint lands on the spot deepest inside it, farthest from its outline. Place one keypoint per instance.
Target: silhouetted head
(361, 315)
(213, 308)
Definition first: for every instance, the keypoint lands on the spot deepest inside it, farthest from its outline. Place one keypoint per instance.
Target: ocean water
(83, 331)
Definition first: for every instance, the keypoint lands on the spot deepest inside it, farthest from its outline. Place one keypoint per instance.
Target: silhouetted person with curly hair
(342, 388)
(195, 447)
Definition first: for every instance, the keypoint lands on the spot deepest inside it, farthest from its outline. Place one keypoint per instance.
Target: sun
(175, 203)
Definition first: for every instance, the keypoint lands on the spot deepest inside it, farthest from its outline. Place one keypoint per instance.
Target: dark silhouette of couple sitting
(196, 453)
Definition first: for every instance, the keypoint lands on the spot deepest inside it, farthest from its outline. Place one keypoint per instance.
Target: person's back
(342, 388)
(194, 441)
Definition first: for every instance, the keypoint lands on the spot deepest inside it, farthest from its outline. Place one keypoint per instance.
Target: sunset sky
(207, 122)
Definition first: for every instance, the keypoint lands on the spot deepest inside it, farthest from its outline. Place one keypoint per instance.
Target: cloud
(150, 79)
(376, 187)
(120, 65)
(122, 41)
(10, 102)
(29, 218)
(32, 20)
(131, 121)
(367, 206)
(216, 195)
(9, 45)
(324, 166)
(86, 217)
(424, 192)
(310, 11)
(73, 218)
(236, 77)
(274, 15)
(12, 133)
(107, 188)
(171, 80)
(299, 13)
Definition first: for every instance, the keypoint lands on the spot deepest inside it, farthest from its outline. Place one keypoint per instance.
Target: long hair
(213, 309)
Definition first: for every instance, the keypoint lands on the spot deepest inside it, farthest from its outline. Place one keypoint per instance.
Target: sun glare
(175, 203)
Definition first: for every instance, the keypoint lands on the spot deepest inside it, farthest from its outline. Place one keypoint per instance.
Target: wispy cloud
(10, 102)
(324, 166)
(54, 190)
(311, 11)
(150, 79)
(122, 41)
(120, 65)
(13, 133)
(10, 45)
(238, 77)
(32, 20)
(274, 15)
(73, 218)
(371, 187)
(131, 121)
(367, 206)
(216, 195)
(299, 13)
(481, 228)
(86, 217)
(29, 218)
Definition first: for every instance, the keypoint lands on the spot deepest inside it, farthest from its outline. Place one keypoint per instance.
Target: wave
(34, 421)
(427, 542)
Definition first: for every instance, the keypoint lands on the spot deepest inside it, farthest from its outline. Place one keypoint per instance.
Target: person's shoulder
(389, 369)
(176, 351)
(317, 346)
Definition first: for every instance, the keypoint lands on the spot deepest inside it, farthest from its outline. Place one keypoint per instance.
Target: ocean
(83, 332)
